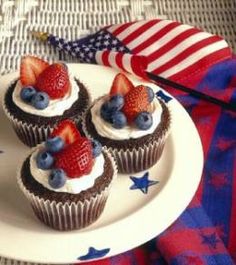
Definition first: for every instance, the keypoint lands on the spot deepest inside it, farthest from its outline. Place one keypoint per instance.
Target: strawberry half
(76, 159)
(54, 80)
(67, 130)
(121, 85)
(31, 67)
(136, 101)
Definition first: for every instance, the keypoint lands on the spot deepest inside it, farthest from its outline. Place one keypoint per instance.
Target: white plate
(131, 217)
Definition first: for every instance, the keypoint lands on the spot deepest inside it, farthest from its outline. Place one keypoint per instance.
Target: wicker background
(75, 18)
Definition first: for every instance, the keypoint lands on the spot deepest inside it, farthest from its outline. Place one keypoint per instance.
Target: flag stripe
(142, 32)
(172, 43)
(105, 59)
(162, 38)
(126, 61)
(119, 57)
(182, 51)
(98, 57)
(202, 64)
(112, 59)
(150, 44)
(194, 58)
(148, 34)
(132, 28)
(116, 29)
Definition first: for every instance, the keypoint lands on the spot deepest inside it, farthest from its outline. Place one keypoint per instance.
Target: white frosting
(55, 107)
(72, 185)
(105, 129)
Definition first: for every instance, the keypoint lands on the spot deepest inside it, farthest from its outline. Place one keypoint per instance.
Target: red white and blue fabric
(205, 234)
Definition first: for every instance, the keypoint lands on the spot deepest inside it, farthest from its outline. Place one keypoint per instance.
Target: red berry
(67, 130)
(121, 85)
(31, 67)
(136, 101)
(54, 80)
(76, 159)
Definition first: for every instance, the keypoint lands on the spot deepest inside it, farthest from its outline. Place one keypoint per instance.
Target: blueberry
(106, 112)
(151, 94)
(27, 93)
(40, 100)
(144, 120)
(54, 144)
(57, 178)
(44, 160)
(97, 148)
(119, 120)
(116, 102)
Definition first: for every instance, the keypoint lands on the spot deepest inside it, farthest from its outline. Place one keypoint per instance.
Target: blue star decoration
(94, 253)
(163, 96)
(142, 183)
(210, 240)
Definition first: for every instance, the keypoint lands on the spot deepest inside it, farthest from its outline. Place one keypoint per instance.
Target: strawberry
(31, 67)
(76, 159)
(54, 80)
(67, 130)
(136, 101)
(121, 85)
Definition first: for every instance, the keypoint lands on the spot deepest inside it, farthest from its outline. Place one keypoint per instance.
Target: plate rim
(106, 231)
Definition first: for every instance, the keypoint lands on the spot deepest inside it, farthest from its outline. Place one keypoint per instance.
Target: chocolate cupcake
(38, 100)
(131, 123)
(67, 179)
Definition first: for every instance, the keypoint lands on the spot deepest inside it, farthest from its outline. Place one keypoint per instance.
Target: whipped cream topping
(105, 129)
(72, 185)
(56, 106)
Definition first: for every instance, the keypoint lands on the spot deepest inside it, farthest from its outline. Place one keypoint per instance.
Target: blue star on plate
(94, 253)
(142, 183)
(163, 96)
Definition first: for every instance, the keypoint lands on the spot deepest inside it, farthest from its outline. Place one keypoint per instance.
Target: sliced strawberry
(76, 159)
(54, 80)
(67, 130)
(31, 67)
(136, 101)
(121, 85)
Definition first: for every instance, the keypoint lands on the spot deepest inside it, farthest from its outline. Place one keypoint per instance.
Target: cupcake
(131, 122)
(43, 96)
(67, 179)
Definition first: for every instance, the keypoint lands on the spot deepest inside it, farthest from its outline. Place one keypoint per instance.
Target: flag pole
(197, 94)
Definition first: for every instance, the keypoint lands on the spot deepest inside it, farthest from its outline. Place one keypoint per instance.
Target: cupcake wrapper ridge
(136, 160)
(68, 216)
(33, 134)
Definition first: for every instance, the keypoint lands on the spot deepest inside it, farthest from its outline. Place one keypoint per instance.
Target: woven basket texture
(72, 19)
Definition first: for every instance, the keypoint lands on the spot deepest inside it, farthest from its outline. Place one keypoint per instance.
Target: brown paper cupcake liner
(136, 160)
(29, 134)
(32, 134)
(69, 215)
(133, 160)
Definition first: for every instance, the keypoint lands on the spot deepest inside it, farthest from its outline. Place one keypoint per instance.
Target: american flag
(164, 47)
